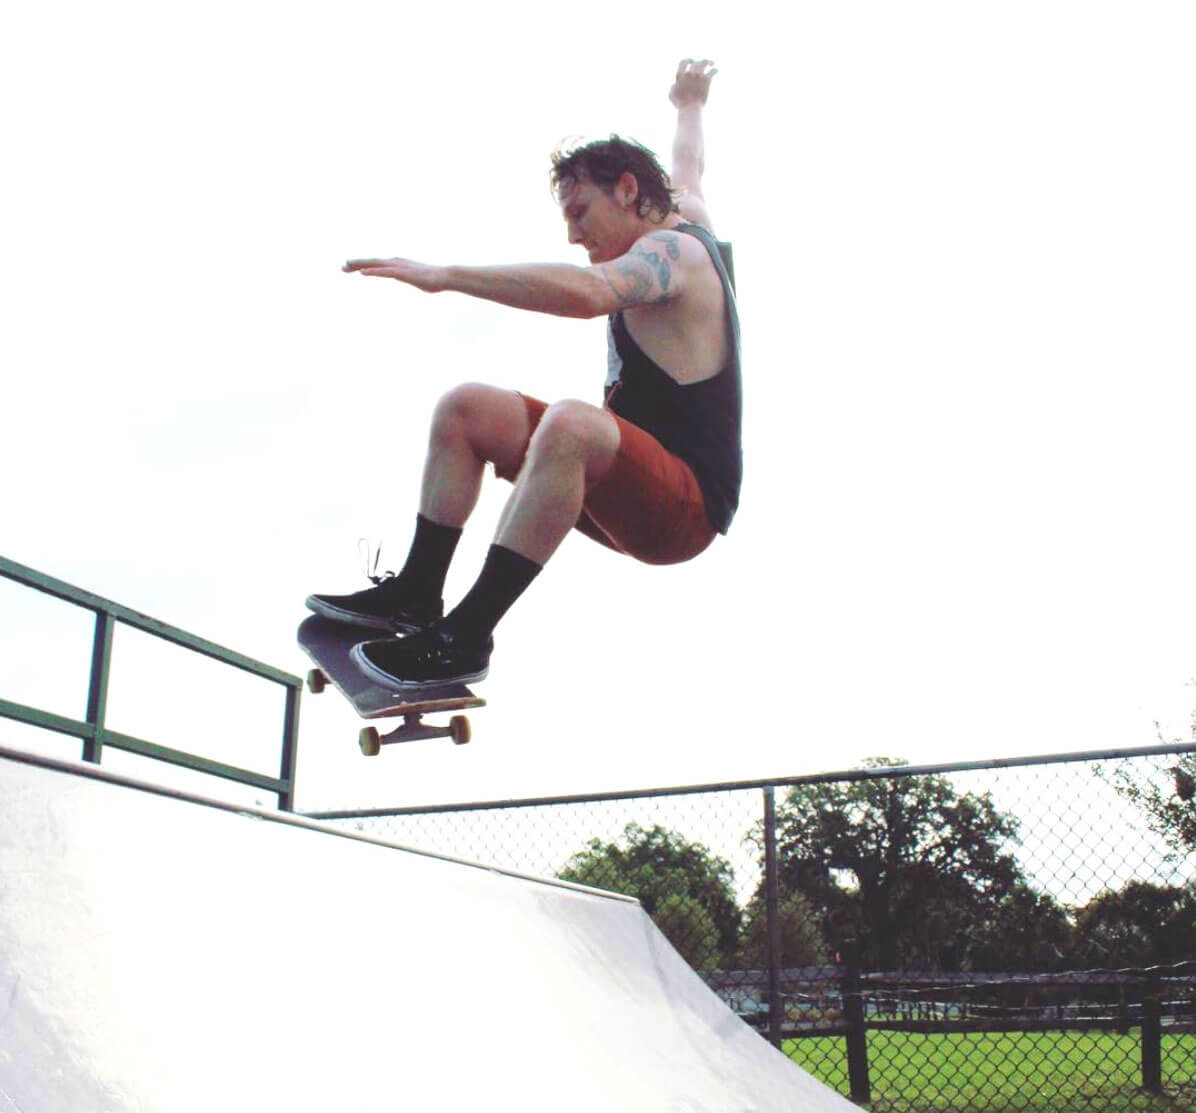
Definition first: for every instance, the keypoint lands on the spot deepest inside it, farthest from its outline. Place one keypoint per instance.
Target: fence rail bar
(46, 720)
(962, 1028)
(877, 983)
(887, 772)
(48, 585)
(90, 735)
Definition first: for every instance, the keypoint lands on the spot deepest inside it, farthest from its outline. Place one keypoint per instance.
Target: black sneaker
(388, 606)
(430, 659)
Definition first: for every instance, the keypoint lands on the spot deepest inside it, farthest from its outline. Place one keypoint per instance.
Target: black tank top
(698, 422)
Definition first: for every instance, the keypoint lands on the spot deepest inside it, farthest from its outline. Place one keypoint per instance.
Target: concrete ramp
(164, 954)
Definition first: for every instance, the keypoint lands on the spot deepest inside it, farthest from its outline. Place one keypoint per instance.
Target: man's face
(598, 221)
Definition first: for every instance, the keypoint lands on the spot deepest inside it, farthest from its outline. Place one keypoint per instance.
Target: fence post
(773, 919)
(97, 691)
(1152, 1043)
(853, 1014)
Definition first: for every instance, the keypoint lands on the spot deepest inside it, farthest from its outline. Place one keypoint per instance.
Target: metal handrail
(93, 732)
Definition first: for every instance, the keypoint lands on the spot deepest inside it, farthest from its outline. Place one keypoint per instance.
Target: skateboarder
(654, 472)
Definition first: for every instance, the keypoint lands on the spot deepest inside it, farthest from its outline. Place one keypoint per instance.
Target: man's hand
(423, 276)
(558, 288)
(688, 94)
(692, 83)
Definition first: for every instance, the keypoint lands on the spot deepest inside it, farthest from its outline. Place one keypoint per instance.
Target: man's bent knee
(578, 430)
(492, 422)
(466, 403)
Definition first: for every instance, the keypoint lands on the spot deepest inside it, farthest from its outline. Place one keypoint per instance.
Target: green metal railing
(94, 733)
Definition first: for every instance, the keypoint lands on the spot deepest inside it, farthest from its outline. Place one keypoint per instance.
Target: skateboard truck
(413, 728)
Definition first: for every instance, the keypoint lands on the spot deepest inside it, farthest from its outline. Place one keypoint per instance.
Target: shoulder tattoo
(645, 273)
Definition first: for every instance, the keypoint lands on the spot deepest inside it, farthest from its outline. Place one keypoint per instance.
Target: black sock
(505, 576)
(428, 561)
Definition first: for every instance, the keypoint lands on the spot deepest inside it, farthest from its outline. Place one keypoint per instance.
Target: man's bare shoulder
(648, 273)
(687, 254)
(661, 266)
(693, 211)
(700, 271)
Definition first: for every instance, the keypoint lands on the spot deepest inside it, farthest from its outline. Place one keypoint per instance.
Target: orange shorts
(648, 506)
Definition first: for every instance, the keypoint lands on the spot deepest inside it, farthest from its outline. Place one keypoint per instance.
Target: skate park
(163, 951)
(959, 588)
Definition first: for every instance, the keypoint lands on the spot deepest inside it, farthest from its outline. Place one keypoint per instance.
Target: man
(653, 473)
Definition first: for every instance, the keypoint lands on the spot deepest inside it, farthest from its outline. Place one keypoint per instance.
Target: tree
(1026, 930)
(906, 865)
(1167, 796)
(800, 935)
(1138, 925)
(688, 892)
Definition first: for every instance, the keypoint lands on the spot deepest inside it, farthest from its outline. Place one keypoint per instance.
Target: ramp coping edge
(288, 819)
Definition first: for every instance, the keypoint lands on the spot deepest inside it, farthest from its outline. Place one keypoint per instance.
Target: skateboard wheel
(369, 741)
(316, 681)
(459, 730)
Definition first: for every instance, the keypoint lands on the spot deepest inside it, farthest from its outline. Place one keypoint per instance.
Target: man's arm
(652, 271)
(688, 94)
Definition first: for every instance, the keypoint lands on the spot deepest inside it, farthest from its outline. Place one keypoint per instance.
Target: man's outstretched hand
(423, 276)
(692, 84)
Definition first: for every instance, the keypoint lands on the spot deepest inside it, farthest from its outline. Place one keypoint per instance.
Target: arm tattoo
(644, 274)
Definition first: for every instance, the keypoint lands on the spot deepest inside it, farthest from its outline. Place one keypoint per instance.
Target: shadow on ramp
(164, 954)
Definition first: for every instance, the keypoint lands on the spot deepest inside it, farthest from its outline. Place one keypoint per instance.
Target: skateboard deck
(329, 643)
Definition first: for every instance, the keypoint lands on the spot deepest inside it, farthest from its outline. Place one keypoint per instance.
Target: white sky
(964, 237)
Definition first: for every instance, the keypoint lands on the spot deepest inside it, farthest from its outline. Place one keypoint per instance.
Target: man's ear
(627, 189)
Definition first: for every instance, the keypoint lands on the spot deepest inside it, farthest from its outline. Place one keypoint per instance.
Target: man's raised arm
(649, 272)
(688, 94)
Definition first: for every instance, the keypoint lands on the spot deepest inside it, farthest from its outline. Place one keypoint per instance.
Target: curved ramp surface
(164, 954)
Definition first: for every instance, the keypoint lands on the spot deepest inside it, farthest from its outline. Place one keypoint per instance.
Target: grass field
(1043, 1072)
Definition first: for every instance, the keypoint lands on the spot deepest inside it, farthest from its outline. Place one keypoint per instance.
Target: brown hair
(604, 161)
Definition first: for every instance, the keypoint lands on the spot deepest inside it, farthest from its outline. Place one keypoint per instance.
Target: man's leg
(472, 425)
(573, 447)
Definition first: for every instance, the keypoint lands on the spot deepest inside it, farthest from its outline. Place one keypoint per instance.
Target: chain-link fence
(1012, 935)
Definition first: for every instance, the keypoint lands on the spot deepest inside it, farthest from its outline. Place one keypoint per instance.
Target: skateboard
(328, 644)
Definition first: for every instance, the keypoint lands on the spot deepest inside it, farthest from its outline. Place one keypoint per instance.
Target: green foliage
(923, 876)
(1167, 799)
(1026, 931)
(690, 928)
(801, 941)
(908, 866)
(687, 891)
(1138, 925)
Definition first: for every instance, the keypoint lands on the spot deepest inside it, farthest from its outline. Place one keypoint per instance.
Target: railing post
(290, 750)
(771, 887)
(1152, 1042)
(97, 692)
(853, 1014)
